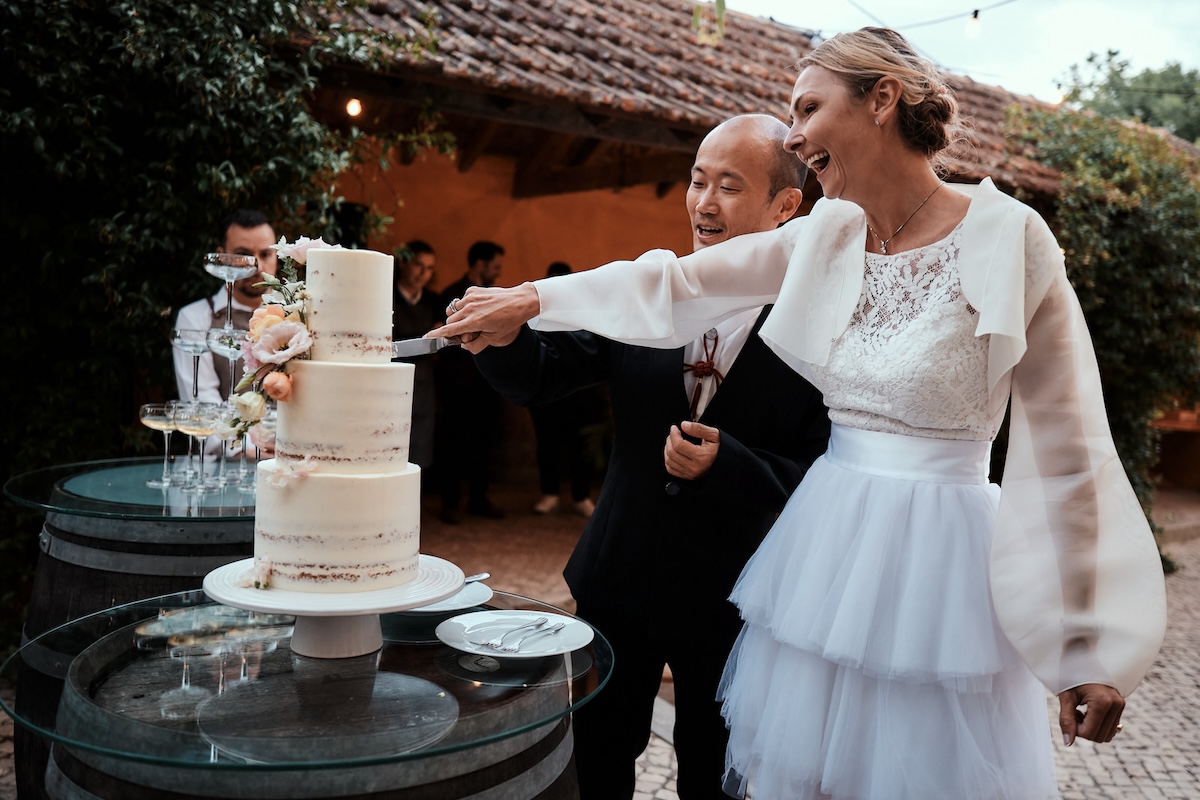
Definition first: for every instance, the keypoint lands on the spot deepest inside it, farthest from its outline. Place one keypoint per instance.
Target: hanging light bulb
(353, 107)
(974, 26)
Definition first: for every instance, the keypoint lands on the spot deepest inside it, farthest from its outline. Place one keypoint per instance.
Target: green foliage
(1164, 98)
(708, 22)
(1126, 218)
(129, 128)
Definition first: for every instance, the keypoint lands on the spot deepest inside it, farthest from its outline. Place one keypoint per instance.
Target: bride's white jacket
(1076, 578)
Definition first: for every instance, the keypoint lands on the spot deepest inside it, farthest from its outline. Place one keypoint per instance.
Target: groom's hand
(689, 453)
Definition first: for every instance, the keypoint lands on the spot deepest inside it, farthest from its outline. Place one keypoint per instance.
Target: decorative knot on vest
(706, 368)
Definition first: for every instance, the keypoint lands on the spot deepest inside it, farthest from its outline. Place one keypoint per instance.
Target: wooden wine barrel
(542, 768)
(87, 564)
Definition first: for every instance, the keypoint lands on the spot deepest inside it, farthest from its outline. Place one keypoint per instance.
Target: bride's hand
(1100, 717)
(489, 317)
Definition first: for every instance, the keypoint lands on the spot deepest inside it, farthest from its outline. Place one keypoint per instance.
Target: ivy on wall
(1128, 220)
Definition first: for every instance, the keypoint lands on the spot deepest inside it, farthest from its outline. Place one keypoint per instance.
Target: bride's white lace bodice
(910, 361)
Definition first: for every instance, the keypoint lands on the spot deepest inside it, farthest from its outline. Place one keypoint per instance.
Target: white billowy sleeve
(1076, 577)
(663, 300)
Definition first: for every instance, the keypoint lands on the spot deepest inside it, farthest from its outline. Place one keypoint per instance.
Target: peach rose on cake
(263, 317)
(277, 385)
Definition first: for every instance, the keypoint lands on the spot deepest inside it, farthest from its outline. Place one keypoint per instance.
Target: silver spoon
(478, 576)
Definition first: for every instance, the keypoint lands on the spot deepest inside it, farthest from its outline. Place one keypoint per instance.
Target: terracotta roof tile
(640, 59)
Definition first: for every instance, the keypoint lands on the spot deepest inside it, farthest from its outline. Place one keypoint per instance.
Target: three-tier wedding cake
(338, 507)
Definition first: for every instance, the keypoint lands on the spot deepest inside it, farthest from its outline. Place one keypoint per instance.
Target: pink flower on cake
(259, 576)
(250, 365)
(277, 385)
(262, 436)
(282, 342)
(298, 250)
(288, 471)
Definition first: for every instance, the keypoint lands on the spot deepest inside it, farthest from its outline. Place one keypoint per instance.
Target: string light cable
(973, 14)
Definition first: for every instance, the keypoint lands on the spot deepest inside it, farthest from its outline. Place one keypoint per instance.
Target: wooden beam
(550, 154)
(525, 111)
(467, 153)
(654, 168)
(589, 150)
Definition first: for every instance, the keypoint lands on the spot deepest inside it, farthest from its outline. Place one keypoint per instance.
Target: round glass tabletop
(181, 681)
(116, 489)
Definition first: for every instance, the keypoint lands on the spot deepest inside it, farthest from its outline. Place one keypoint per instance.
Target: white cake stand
(335, 625)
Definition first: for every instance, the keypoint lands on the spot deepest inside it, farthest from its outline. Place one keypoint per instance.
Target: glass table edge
(121, 513)
(10, 664)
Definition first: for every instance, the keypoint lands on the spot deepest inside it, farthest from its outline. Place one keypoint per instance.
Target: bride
(904, 613)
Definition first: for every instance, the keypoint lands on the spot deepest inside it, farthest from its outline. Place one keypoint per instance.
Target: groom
(709, 442)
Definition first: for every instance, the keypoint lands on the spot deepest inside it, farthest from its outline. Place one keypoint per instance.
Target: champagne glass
(230, 267)
(189, 472)
(227, 343)
(194, 342)
(160, 417)
(199, 420)
(181, 702)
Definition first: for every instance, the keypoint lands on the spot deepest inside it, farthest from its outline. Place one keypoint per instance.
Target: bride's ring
(454, 305)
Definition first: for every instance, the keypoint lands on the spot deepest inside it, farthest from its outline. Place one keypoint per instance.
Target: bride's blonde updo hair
(927, 112)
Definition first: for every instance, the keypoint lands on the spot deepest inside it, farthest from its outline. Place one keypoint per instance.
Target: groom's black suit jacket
(656, 541)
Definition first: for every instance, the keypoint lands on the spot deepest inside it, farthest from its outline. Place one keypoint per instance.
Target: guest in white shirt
(244, 232)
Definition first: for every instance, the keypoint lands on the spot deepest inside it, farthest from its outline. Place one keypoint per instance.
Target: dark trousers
(467, 432)
(613, 729)
(559, 432)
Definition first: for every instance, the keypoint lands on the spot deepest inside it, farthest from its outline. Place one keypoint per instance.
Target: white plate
(436, 580)
(466, 632)
(473, 594)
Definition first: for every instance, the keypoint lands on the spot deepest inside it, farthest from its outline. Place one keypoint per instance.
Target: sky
(1026, 46)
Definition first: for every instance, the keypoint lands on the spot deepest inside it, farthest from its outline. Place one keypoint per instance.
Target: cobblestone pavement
(1156, 756)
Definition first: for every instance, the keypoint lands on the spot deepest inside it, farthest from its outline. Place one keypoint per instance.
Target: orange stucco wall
(431, 200)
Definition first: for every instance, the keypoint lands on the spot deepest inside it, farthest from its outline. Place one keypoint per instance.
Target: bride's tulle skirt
(871, 664)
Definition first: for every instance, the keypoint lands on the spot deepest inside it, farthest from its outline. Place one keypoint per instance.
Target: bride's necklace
(883, 243)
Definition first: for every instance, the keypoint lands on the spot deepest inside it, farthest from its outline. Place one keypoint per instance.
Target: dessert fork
(495, 642)
(515, 646)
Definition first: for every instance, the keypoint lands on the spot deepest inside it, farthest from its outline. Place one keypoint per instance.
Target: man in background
(468, 420)
(244, 232)
(416, 310)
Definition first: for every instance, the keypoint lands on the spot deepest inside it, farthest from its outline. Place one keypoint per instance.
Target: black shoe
(485, 509)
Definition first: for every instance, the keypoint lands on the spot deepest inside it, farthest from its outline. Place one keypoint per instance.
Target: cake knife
(422, 346)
